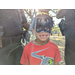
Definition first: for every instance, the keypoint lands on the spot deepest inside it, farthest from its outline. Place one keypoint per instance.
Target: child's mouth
(43, 36)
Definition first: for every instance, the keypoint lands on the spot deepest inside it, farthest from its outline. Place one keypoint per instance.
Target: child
(41, 51)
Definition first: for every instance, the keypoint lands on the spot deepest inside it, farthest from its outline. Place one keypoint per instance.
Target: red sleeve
(24, 57)
(57, 57)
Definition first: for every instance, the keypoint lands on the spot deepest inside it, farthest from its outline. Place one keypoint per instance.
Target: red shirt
(40, 55)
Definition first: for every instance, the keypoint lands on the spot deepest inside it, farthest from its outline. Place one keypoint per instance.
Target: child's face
(42, 28)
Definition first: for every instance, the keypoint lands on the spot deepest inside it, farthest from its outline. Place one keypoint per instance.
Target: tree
(55, 28)
(30, 12)
(52, 12)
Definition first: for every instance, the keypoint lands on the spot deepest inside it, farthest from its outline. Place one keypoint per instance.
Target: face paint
(43, 23)
(43, 28)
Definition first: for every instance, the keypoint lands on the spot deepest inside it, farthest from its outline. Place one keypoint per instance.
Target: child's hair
(42, 19)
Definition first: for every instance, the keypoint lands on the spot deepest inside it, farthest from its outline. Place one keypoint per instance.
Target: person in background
(12, 22)
(67, 28)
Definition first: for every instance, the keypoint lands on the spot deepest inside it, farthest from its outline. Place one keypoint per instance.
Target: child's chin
(44, 39)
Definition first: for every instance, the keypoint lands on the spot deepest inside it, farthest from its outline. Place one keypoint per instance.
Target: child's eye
(47, 28)
(39, 28)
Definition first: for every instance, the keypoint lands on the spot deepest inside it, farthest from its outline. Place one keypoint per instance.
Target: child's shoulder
(29, 44)
(53, 45)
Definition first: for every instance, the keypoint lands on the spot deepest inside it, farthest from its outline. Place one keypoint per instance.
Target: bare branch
(31, 16)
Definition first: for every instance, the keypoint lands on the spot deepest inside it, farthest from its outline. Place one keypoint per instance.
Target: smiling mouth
(43, 36)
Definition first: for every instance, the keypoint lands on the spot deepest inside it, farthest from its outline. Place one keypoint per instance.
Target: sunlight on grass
(61, 47)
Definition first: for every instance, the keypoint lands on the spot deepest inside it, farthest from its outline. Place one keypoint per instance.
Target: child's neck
(37, 42)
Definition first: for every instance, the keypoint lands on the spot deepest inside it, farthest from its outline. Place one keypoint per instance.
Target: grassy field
(60, 42)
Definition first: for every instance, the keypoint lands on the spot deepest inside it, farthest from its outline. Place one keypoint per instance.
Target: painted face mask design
(45, 28)
(43, 25)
